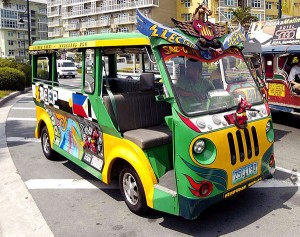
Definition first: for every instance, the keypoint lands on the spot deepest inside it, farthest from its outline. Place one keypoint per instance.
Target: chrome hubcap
(130, 189)
(46, 144)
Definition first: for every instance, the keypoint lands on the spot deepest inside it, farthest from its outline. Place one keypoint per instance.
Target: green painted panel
(165, 202)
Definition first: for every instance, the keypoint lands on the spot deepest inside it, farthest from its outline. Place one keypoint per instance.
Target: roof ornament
(206, 31)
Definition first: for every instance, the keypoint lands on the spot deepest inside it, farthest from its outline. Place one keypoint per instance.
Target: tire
(59, 76)
(45, 142)
(73, 76)
(132, 190)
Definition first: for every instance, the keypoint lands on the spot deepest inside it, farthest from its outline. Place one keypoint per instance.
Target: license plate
(244, 173)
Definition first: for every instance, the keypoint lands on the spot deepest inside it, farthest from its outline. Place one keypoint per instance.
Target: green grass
(4, 93)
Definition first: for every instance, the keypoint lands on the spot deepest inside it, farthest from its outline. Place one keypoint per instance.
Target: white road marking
(92, 184)
(22, 139)
(20, 119)
(289, 171)
(22, 108)
(68, 184)
(293, 181)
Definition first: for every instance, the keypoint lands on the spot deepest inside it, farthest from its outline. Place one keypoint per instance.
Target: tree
(242, 16)
(5, 2)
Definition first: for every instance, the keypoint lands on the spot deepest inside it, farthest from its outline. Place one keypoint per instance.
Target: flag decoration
(81, 105)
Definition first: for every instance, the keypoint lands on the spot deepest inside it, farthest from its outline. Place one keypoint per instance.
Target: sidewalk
(19, 215)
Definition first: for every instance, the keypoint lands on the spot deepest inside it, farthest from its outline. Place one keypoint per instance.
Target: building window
(10, 42)
(259, 16)
(228, 15)
(187, 3)
(256, 3)
(268, 18)
(10, 33)
(268, 5)
(186, 17)
(229, 2)
(11, 52)
(123, 29)
(90, 32)
(9, 23)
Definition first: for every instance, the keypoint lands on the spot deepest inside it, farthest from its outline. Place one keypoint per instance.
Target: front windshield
(202, 86)
(68, 64)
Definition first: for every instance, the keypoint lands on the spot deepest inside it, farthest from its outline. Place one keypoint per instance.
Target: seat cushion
(150, 137)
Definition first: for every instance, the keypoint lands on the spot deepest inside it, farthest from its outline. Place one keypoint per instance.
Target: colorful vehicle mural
(177, 140)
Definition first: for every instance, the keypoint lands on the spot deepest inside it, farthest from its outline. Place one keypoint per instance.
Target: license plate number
(244, 173)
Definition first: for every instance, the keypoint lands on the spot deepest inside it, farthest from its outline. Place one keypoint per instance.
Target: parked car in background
(66, 68)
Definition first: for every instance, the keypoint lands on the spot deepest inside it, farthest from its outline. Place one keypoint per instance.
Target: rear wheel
(46, 147)
(132, 190)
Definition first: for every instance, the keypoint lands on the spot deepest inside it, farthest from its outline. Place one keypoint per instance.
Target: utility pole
(28, 28)
(279, 9)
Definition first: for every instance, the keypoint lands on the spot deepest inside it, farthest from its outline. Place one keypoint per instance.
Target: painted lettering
(154, 29)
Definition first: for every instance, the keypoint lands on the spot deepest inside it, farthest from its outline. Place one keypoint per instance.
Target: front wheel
(132, 190)
(46, 147)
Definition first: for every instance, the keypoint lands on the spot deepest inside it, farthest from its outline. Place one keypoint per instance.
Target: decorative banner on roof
(234, 38)
(151, 28)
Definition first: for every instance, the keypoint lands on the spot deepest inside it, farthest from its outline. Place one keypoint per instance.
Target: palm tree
(243, 16)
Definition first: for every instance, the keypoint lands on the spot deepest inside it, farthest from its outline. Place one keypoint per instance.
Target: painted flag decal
(80, 105)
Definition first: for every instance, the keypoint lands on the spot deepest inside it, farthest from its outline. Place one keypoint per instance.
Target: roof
(88, 41)
(268, 49)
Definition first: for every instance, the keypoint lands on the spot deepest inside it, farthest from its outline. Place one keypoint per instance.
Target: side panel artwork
(81, 138)
(75, 127)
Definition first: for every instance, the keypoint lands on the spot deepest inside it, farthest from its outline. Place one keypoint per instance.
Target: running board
(167, 183)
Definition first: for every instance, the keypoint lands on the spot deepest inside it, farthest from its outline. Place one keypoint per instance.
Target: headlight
(268, 126)
(199, 146)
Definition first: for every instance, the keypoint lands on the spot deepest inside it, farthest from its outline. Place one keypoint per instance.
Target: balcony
(107, 9)
(54, 34)
(54, 24)
(125, 20)
(94, 24)
(54, 3)
(72, 26)
(71, 2)
(53, 13)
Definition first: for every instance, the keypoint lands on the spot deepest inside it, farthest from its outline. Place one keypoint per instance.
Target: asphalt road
(74, 204)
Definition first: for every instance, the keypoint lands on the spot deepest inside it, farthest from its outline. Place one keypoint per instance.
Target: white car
(66, 68)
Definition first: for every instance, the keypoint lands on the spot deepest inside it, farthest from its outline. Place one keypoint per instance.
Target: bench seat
(150, 137)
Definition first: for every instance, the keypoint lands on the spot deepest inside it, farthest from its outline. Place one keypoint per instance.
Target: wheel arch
(134, 157)
(43, 120)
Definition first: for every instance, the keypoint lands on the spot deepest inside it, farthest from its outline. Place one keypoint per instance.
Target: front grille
(244, 149)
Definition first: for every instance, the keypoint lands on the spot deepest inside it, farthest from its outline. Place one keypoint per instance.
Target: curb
(13, 95)
(20, 215)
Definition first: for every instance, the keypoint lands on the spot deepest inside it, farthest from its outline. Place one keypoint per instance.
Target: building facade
(14, 28)
(262, 9)
(67, 18)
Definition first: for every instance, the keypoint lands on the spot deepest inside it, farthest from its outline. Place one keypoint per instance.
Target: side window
(68, 63)
(42, 72)
(89, 71)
